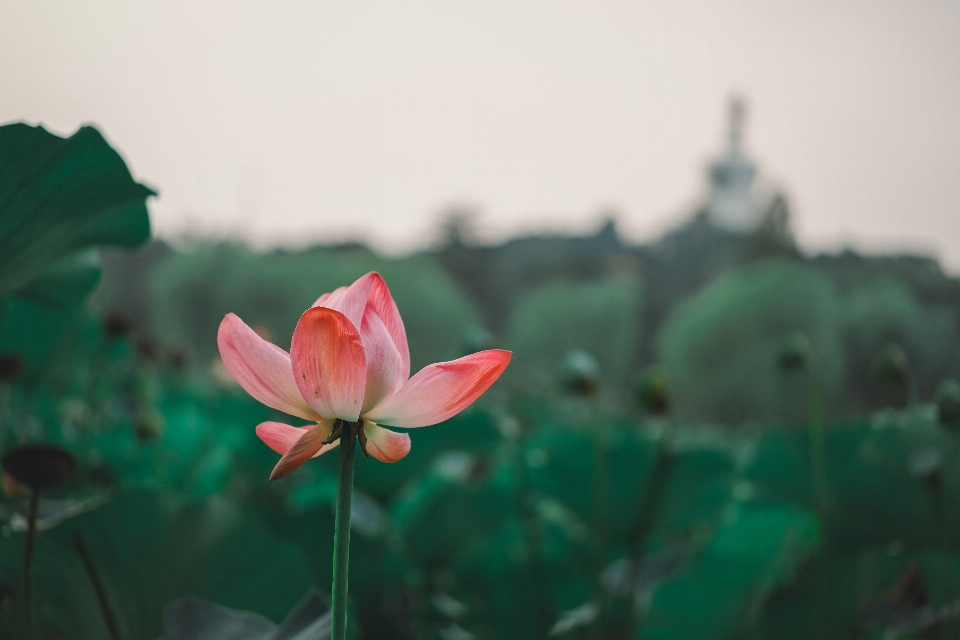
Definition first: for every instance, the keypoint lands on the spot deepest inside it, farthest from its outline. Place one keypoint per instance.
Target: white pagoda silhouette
(731, 204)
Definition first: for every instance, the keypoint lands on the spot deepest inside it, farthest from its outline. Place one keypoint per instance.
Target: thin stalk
(341, 538)
(97, 585)
(28, 556)
(5, 403)
(663, 466)
(818, 477)
(527, 511)
(910, 387)
(940, 522)
(601, 490)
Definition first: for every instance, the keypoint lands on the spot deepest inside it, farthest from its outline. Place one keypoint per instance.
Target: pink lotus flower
(348, 370)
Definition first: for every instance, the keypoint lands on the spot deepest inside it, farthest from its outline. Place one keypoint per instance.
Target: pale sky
(294, 122)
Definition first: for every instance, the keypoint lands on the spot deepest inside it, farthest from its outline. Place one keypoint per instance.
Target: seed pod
(581, 372)
(116, 325)
(795, 353)
(890, 365)
(925, 464)
(10, 365)
(39, 466)
(653, 396)
(948, 404)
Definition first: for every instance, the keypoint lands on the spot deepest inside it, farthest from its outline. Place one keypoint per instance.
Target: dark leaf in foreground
(58, 195)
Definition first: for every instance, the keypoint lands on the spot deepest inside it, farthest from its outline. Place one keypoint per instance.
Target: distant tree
(194, 289)
(721, 349)
(600, 318)
(883, 311)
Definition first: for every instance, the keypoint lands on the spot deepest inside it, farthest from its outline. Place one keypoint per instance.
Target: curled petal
(381, 301)
(385, 445)
(262, 369)
(441, 390)
(308, 445)
(384, 366)
(280, 437)
(329, 364)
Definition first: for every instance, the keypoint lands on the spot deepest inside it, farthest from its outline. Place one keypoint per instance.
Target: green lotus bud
(890, 365)
(581, 372)
(948, 404)
(652, 394)
(925, 464)
(795, 353)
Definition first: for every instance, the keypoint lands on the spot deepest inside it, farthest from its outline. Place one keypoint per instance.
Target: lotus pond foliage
(731, 462)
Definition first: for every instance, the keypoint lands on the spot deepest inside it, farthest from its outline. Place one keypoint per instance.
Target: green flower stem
(341, 538)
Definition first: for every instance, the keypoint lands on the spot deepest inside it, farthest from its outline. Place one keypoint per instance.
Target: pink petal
(322, 301)
(350, 301)
(280, 437)
(329, 364)
(308, 445)
(384, 366)
(441, 390)
(385, 445)
(382, 302)
(262, 369)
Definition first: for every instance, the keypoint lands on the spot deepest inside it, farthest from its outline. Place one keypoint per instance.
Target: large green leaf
(565, 466)
(58, 195)
(874, 495)
(147, 549)
(721, 594)
(830, 596)
(34, 317)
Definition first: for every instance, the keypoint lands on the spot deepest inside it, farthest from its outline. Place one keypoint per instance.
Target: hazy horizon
(290, 123)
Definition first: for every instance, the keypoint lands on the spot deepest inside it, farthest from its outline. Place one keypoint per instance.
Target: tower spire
(738, 111)
(730, 203)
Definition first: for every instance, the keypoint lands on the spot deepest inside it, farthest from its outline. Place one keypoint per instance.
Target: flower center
(343, 428)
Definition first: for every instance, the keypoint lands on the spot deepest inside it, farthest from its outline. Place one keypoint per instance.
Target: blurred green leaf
(35, 317)
(195, 619)
(58, 195)
(146, 549)
(873, 496)
(719, 349)
(600, 318)
(722, 593)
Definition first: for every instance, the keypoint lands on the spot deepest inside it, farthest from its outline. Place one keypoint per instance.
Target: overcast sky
(292, 122)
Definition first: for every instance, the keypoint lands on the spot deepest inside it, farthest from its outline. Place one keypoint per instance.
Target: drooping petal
(382, 303)
(350, 301)
(384, 366)
(385, 445)
(263, 369)
(441, 390)
(308, 445)
(329, 364)
(280, 437)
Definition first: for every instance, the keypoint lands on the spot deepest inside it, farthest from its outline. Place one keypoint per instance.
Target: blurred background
(722, 239)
